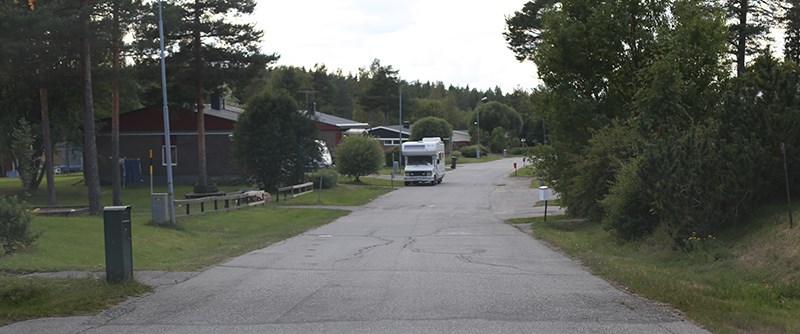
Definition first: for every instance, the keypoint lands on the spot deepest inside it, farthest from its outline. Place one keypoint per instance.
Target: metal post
(478, 123)
(400, 130)
(319, 194)
(545, 211)
(151, 171)
(786, 175)
(167, 143)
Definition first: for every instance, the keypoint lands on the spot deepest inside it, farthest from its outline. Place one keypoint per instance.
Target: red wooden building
(142, 130)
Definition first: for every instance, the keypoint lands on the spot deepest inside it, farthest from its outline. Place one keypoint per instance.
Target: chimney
(216, 102)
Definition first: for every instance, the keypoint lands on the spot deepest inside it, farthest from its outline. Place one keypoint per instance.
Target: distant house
(390, 136)
(142, 130)
(333, 128)
(460, 139)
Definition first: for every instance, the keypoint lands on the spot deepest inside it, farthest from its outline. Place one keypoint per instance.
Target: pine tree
(791, 20)
(209, 50)
(750, 22)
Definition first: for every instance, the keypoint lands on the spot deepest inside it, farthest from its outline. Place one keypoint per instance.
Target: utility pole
(308, 92)
(400, 129)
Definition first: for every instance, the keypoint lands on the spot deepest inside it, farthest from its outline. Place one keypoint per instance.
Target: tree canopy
(357, 156)
(431, 127)
(274, 141)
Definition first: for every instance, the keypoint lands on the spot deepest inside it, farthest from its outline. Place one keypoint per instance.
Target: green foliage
(755, 291)
(23, 298)
(329, 178)
(523, 151)
(627, 211)
(470, 151)
(791, 45)
(22, 149)
(750, 22)
(608, 150)
(357, 156)
(493, 115)
(274, 141)
(499, 140)
(431, 127)
(391, 155)
(15, 222)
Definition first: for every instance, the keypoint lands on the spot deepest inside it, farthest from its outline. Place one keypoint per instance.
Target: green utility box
(119, 253)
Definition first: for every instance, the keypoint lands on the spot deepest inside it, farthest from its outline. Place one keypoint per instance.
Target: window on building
(173, 155)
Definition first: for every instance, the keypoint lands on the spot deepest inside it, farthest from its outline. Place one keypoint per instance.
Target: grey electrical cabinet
(118, 243)
(159, 208)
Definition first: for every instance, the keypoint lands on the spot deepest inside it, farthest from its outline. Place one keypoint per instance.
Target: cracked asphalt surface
(424, 259)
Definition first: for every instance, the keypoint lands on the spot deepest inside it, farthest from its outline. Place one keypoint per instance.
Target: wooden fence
(227, 202)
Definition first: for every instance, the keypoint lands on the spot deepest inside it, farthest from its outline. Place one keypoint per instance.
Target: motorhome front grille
(417, 173)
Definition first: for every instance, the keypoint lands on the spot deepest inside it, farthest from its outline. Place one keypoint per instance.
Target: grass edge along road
(196, 243)
(738, 282)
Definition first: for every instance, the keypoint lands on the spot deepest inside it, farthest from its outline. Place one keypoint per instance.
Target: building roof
(227, 112)
(339, 121)
(392, 128)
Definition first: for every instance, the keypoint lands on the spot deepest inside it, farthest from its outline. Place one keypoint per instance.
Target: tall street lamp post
(165, 112)
(478, 124)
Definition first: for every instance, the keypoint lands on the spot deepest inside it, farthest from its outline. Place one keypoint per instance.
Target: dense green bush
(499, 140)
(357, 156)
(330, 178)
(523, 151)
(597, 167)
(391, 155)
(627, 211)
(15, 224)
(469, 151)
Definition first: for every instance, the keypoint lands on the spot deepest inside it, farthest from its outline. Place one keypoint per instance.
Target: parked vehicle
(424, 161)
(325, 159)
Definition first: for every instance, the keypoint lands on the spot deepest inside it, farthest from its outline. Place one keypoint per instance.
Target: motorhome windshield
(419, 160)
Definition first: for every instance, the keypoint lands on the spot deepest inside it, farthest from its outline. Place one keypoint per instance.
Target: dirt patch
(60, 210)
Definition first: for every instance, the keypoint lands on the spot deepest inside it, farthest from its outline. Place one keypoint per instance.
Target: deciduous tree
(274, 141)
(357, 156)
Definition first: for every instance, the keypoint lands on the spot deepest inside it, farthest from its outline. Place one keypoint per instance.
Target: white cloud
(456, 42)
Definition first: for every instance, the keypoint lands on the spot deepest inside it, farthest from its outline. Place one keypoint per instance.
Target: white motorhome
(424, 161)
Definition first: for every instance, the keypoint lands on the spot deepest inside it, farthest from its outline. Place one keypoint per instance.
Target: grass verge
(76, 243)
(346, 193)
(484, 158)
(717, 286)
(23, 298)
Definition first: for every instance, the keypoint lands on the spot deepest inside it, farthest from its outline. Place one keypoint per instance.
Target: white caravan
(424, 161)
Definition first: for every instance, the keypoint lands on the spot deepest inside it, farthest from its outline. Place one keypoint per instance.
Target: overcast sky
(456, 42)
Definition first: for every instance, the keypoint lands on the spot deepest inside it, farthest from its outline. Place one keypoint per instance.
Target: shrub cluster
(329, 177)
(391, 155)
(15, 222)
(469, 151)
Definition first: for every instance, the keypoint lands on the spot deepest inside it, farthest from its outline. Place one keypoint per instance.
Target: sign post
(544, 195)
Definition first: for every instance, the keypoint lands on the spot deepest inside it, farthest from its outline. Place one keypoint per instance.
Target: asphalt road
(424, 259)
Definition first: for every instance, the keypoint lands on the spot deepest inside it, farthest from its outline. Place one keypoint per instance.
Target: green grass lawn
(34, 297)
(346, 193)
(485, 157)
(729, 286)
(76, 243)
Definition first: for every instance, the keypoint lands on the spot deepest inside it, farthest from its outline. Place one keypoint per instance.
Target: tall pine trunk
(115, 168)
(90, 170)
(202, 174)
(48, 147)
(741, 42)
